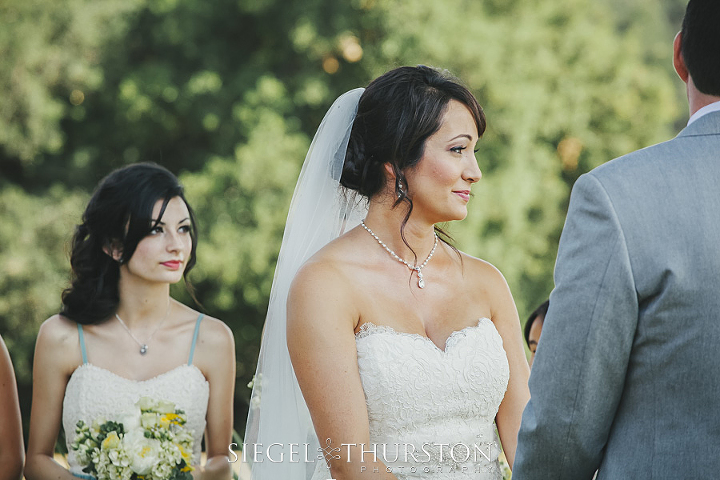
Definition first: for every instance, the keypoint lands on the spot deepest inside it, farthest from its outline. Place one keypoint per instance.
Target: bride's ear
(390, 180)
(389, 172)
(114, 250)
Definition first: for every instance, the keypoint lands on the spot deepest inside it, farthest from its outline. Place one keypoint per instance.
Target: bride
(121, 337)
(406, 351)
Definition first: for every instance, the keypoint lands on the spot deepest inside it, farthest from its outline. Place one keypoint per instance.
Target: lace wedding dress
(432, 411)
(94, 392)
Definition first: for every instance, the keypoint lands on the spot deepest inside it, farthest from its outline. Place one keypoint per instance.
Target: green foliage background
(228, 93)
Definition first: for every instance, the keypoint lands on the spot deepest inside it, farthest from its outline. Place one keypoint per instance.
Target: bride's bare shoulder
(335, 261)
(482, 275)
(329, 272)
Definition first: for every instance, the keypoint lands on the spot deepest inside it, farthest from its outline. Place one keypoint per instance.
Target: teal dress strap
(195, 335)
(82, 343)
(82, 475)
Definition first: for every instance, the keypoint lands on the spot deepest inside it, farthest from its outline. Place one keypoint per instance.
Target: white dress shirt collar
(713, 107)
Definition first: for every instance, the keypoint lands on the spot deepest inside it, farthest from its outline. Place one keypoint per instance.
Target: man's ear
(114, 250)
(678, 60)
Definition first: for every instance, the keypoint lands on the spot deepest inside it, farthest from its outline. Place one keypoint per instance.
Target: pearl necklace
(143, 345)
(416, 268)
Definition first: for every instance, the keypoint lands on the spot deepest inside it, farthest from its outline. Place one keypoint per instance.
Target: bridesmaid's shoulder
(218, 333)
(58, 330)
(214, 332)
(58, 343)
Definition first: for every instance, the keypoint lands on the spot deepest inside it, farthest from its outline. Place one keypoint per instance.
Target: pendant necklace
(416, 268)
(143, 345)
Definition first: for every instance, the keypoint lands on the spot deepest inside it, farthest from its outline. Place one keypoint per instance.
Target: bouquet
(151, 443)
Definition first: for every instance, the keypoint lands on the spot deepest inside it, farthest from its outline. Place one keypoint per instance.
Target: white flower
(144, 452)
(147, 403)
(162, 470)
(131, 420)
(165, 407)
(149, 420)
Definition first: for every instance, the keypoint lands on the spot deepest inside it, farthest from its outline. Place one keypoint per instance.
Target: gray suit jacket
(626, 377)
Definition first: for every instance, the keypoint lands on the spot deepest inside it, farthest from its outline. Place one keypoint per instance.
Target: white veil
(321, 210)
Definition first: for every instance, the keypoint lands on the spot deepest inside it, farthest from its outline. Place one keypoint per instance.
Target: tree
(228, 94)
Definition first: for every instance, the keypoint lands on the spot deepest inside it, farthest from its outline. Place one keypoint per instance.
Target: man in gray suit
(627, 379)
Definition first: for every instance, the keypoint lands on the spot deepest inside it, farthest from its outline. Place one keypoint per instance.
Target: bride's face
(439, 185)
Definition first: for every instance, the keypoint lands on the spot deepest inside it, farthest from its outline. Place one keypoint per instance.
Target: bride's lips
(464, 194)
(173, 264)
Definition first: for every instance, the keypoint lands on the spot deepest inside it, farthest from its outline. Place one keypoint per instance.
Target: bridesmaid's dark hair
(397, 112)
(118, 215)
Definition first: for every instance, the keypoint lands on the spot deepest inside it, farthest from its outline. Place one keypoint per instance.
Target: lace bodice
(93, 392)
(419, 396)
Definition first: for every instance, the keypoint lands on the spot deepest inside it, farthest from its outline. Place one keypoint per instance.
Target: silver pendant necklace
(416, 268)
(143, 345)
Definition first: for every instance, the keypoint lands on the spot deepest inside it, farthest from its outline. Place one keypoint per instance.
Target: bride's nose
(472, 172)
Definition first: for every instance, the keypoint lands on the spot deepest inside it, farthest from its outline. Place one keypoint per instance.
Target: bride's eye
(458, 149)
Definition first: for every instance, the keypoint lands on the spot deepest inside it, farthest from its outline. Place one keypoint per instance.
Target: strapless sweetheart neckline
(148, 380)
(369, 328)
(418, 395)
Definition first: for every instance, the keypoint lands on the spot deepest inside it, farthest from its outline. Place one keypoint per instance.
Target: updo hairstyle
(119, 215)
(397, 112)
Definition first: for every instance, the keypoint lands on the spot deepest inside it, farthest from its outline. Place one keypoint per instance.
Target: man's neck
(697, 99)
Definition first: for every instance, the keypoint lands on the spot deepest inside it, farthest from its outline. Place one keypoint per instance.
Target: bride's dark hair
(397, 113)
(118, 215)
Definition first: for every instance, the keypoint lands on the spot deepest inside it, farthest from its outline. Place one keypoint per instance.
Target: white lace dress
(94, 392)
(432, 411)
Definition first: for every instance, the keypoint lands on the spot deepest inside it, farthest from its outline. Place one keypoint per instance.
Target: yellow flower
(111, 441)
(185, 454)
(164, 421)
(175, 418)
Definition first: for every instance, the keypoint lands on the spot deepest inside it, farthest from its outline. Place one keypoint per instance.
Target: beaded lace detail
(418, 394)
(93, 391)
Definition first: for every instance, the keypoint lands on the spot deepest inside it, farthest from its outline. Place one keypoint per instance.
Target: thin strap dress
(94, 392)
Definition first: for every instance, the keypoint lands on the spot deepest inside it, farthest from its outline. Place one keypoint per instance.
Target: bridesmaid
(120, 336)
(12, 451)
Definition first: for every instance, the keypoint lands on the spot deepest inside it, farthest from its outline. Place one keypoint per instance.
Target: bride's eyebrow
(462, 135)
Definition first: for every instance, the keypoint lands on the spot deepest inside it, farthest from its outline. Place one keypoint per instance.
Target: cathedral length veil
(321, 210)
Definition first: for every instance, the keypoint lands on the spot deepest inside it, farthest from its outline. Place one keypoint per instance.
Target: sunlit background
(228, 93)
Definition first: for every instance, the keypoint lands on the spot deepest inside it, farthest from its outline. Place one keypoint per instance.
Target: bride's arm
(216, 359)
(507, 323)
(56, 350)
(320, 330)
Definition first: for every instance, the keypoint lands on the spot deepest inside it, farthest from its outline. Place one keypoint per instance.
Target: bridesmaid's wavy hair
(119, 215)
(397, 113)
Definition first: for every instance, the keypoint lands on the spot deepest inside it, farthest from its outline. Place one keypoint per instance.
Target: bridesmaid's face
(161, 256)
(534, 336)
(439, 185)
